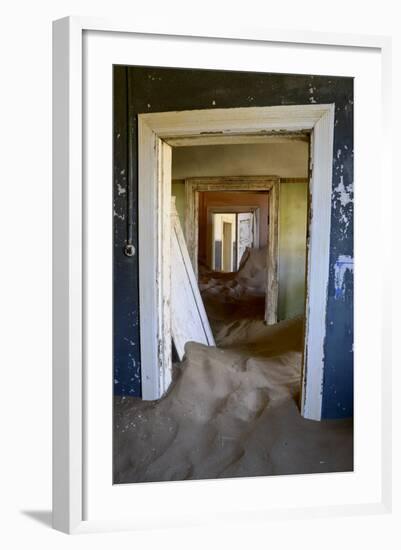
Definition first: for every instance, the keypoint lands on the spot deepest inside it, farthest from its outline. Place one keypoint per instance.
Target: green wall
(292, 249)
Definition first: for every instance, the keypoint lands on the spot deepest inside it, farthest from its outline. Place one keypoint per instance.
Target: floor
(232, 410)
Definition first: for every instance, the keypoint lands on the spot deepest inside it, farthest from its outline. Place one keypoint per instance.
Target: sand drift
(232, 410)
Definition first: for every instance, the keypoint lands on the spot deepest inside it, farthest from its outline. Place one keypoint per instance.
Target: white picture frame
(83, 496)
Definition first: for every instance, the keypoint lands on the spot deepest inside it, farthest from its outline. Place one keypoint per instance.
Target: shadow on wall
(41, 516)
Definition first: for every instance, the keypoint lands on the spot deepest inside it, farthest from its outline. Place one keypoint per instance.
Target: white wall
(285, 159)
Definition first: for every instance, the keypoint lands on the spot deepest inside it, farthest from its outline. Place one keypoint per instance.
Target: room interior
(232, 408)
(287, 159)
(256, 366)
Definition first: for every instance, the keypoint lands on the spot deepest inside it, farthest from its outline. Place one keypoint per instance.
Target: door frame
(157, 133)
(231, 210)
(270, 184)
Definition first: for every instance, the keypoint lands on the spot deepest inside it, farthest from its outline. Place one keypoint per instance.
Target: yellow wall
(292, 249)
(286, 159)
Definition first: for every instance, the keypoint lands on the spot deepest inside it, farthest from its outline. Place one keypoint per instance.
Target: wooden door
(189, 322)
(244, 233)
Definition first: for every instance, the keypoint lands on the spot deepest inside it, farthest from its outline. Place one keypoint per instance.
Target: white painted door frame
(157, 133)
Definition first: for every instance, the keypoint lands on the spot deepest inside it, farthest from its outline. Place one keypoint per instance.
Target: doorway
(236, 194)
(231, 234)
(157, 134)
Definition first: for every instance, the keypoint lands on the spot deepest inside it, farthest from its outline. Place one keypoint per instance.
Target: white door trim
(154, 195)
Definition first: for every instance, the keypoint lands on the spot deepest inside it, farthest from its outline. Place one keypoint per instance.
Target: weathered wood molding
(175, 127)
(294, 180)
(318, 258)
(270, 184)
(157, 133)
(154, 263)
(241, 139)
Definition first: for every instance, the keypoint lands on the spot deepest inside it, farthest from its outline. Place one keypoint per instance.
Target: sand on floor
(232, 409)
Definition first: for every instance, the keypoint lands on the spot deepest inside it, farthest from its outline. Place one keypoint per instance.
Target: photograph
(233, 249)
(200, 242)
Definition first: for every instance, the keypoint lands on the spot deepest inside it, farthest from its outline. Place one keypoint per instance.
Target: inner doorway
(245, 194)
(233, 220)
(232, 234)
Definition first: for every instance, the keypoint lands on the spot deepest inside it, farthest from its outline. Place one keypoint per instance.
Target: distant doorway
(232, 233)
(236, 195)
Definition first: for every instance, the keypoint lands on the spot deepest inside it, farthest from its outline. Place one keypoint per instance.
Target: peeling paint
(119, 216)
(342, 265)
(344, 195)
(312, 91)
(120, 189)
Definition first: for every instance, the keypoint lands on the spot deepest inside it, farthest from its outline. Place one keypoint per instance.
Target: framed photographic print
(208, 314)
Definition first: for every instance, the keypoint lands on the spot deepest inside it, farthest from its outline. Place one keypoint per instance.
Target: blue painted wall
(149, 89)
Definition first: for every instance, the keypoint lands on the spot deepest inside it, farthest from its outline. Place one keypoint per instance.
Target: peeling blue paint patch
(342, 265)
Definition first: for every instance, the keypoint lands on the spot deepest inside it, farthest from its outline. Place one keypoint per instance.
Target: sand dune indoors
(232, 411)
